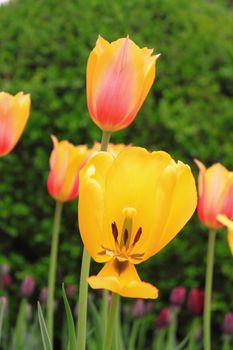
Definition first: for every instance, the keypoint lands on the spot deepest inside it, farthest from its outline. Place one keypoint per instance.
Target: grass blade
(44, 332)
(70, 322)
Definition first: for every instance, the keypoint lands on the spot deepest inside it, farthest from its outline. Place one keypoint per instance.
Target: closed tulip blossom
(119, 77)
(195, 303)
(65, 162)
(177, 296)
(130, 207)
(14, 113)
(215, 187)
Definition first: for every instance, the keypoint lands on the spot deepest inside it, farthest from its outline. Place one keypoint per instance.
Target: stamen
(137, 256)
(137, 236)
(114, 231)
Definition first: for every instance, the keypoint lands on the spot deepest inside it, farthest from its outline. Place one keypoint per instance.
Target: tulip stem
(105, 141)
(111, 322)
(83, 286)
(53, 268)
(226, 342)
(208, 290)
(172, 331)
(82, 302)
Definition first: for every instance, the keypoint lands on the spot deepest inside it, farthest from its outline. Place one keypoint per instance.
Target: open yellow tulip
(130, 207)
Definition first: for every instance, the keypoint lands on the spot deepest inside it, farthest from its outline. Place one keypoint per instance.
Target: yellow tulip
(119, 77)
(66, 160)
(229, 224)
(14, 113)
(130, 207)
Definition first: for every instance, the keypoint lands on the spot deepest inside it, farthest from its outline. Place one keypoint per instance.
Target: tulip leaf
(44, 332)
(20, 328)
(70, 322)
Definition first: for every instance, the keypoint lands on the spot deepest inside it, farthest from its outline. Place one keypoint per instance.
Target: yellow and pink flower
(14, 113)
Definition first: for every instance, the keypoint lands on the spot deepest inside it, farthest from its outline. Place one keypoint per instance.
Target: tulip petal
(122, 278)
(131, 182)
(91, 205)
(229, 224)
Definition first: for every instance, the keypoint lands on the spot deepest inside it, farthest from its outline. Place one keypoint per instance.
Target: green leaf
(71, 328)
(44, 332)
(20, 328)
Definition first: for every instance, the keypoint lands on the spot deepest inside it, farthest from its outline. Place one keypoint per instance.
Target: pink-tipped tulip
(14, 113)
(119, 77)
(215, 187)
(65, 162)
(227, 326)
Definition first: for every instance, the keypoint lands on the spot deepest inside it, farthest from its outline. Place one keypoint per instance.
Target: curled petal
(122, 278)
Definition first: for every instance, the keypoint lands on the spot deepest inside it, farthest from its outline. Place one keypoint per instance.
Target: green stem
(111, 322)
(192, 339)
(53, 268)
(105, 141)
(134, 334)
(159, 339)
(104, 309)
(172, 331)
(83, 285)
(82, 303)
(226, 342)
(208, 290)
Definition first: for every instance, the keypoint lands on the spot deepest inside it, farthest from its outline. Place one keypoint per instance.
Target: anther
(114, 231)
(137, 236)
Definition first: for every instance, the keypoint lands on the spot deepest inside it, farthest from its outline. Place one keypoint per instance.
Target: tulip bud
(139, 308)
(71, 290)
(43, 295)
(227, 327)
(215, 187)
(14, 113)
(27, 287)
(195, 302)
(163, 318)
(6, 280)
(119, 77)
(65, 162)
(177, 296)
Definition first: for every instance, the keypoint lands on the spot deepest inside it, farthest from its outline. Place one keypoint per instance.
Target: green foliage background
(44, 46)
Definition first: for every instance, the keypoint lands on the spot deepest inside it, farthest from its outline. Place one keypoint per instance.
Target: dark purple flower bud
(163, 318)
(177, 296)
(43, 295)
(4, 303)
(6, 280)
(195, 302)
(227, 326)
(71, 290)
(27, 287)
(139, 308)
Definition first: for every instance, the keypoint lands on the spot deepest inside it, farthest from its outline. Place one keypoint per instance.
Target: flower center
(123, 248)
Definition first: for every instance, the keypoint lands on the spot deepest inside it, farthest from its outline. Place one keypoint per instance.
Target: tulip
(14, 113)
(215, 186)
(43, 297)
(27, 287)
(65, 162)
(195, 303)
(229, 224)
(163, 319)
(130, 207)
(119, 77)
(227, 326)
(177, 296)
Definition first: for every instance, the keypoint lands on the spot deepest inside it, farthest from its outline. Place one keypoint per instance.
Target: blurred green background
(44, 46)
